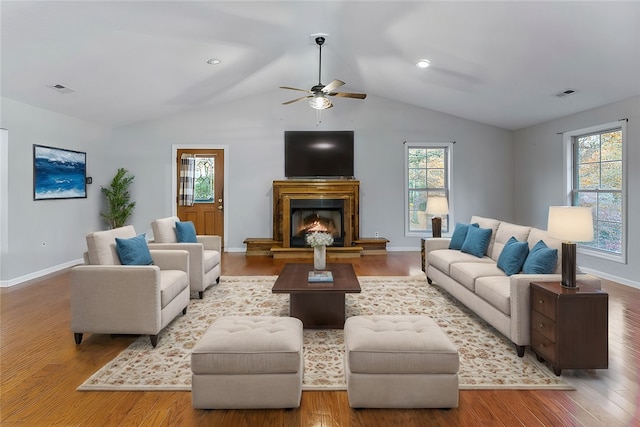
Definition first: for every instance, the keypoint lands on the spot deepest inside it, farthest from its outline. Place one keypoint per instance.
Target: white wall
(253, 129)
(539, 179)
(43, 235)
(513, 176)
(4, 198)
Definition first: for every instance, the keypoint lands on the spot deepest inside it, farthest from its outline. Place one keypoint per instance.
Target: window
(204, 179)
(427, 174)
(597, 180)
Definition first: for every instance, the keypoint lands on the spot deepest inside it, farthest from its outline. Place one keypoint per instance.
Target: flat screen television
(316, 154)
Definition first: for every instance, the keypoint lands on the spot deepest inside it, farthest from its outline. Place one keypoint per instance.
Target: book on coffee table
(320, 276)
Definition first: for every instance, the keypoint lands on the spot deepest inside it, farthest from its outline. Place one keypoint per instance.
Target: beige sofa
(204, 256)
(110, 298)
(478, 283)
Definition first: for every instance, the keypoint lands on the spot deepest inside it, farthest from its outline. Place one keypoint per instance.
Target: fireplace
(316, 215)
(327, 202)
(335, 202)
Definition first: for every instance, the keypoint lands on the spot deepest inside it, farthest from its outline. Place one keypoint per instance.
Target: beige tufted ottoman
(248, 362)
(395, 361)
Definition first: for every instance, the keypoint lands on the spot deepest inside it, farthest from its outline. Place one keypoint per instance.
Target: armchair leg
(218, 280)
(184, 310)
(429, 281)
(201, 294)
(154, 340)
(78, 337)
(520, 349)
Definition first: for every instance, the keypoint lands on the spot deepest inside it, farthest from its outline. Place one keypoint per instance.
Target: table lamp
(437, 206)
(570, 224)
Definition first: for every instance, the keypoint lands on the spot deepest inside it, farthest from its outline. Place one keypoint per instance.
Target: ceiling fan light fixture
(320, 102)
(423, 63)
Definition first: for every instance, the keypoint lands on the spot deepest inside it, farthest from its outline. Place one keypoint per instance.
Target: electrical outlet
(377, 234)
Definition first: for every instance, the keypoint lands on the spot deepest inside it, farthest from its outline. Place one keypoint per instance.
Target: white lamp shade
(437, 205)
(570, 223)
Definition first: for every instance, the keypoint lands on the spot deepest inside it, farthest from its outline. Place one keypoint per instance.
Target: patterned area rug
(487, 359)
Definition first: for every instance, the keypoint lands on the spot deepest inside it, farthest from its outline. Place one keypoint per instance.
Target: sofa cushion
(496, 290)
(512, 256)
(186, 232)
(487, 223)
(133, 251)
(536, 235)
(459, 234)
(477, 241)
(164, 230)
(172, 282)
(101, 245)
(466, 273)
(541, 260)
(443, 259)
(505, 231)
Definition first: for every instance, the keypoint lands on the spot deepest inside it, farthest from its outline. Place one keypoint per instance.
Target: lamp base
(436, 226)
(569, 265)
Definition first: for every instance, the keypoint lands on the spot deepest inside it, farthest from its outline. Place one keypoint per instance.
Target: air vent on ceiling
(565, 93)
(61, 88)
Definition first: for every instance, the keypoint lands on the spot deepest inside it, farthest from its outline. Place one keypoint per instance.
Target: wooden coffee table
(318, 305)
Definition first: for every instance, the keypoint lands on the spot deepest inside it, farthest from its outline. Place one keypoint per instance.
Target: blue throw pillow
(186, 232)
(133, 251)
(541, 260)
(459, 234)
(477, 241)
(512, 256)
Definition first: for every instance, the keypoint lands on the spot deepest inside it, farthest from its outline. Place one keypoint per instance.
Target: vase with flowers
(319, 242)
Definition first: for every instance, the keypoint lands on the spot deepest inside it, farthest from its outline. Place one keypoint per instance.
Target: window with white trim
(597, 180)
(427, 168)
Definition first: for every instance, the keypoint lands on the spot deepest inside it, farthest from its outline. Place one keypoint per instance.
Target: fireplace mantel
(285, 191)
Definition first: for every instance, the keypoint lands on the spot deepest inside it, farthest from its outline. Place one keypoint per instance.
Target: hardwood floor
(41, 368)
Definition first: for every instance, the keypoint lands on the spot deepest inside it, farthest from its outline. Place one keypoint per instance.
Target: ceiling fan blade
(348, 95)
(295, 88)
(335, 84)
(297, 99)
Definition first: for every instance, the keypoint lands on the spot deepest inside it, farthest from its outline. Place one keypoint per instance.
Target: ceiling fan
(317, 95)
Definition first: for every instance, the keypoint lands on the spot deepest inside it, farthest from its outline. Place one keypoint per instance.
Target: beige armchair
(204, 256)
(110, 298)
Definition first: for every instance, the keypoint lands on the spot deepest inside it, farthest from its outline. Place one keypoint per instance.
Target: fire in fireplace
(316, 215)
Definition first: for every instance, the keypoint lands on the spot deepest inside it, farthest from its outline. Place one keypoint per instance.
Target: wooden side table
(570, 327)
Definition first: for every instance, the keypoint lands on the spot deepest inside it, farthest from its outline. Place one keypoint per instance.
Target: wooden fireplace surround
(284, 191)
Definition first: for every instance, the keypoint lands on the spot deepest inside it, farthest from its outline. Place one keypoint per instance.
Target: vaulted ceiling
(499, 63)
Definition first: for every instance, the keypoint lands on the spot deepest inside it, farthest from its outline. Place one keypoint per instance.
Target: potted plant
(118, 199)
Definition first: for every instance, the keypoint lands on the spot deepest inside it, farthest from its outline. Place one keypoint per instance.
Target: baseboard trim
(401, 249)
(39, 274)
(613, 278)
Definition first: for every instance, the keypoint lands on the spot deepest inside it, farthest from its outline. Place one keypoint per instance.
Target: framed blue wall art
(59, 173)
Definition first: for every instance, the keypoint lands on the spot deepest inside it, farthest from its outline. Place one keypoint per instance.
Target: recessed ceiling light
(423, 63)
(214, 61)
